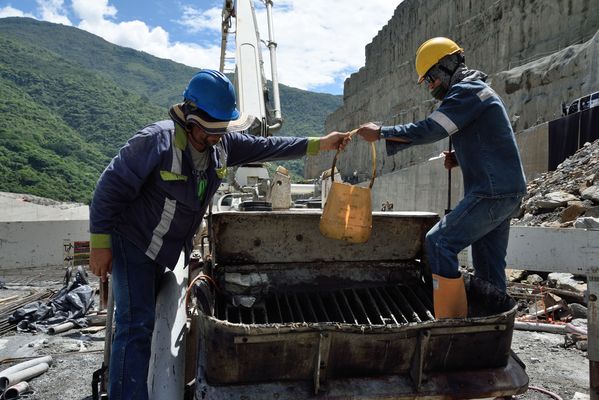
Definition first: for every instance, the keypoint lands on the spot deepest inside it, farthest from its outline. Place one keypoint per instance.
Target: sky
(319, 43)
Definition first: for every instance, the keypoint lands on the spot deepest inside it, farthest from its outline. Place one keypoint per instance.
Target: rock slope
(566, 197)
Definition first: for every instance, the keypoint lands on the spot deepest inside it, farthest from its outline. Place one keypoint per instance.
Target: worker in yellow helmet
(439, 59)
(475, 119)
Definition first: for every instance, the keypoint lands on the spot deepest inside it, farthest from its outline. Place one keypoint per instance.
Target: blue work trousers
(135, 282)
(480, 222)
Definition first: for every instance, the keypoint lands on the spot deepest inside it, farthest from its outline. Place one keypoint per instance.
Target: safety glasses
(428, 79)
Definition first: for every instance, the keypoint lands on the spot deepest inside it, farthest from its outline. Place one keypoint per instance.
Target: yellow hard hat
(430, 52)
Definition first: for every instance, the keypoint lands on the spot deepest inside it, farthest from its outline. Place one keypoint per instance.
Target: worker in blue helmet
(150, 201)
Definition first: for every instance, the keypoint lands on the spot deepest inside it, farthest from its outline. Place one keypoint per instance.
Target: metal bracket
(416, 371)
(322, 361)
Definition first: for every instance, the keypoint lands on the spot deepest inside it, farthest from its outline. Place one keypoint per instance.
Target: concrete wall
(424, 186)
(534, 150)
(544, 43)
(33, 244)
(538, 54)
(421, 187)
(25, 207)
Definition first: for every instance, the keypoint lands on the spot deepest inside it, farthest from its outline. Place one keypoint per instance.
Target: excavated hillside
(539, 55)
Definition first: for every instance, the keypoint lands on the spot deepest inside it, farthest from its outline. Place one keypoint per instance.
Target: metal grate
(386, 305)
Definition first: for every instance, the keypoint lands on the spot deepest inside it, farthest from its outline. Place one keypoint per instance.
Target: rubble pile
(566, 197)
(554, 304)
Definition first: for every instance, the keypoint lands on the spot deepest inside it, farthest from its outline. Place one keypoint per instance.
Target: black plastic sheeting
(570, 133)
(70, 304)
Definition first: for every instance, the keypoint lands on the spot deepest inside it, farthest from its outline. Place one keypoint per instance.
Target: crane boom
(239, 19)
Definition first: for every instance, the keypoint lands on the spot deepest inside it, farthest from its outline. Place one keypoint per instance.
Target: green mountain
(69, 100)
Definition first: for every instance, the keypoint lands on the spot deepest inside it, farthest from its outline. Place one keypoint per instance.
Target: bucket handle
(352, 133)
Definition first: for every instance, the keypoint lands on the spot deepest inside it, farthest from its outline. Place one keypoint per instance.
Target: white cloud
(9, 11)
(137, 34)
(93, 11)
(53, 11)
(319, 42)
(198, 20)
(322, 42)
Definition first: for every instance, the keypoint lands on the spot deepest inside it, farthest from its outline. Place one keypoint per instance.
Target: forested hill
(69, 100)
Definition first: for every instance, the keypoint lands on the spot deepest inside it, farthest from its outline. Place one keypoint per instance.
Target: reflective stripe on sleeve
(168, 213)
(444, 121)
(177, 157)
(485, 93)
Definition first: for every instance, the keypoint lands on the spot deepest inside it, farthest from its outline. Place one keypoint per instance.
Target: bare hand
(370, 132)
(451, 160)
(334, 141)
(100, 262)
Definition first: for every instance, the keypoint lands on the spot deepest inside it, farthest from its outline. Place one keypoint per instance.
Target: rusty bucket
(347, 213)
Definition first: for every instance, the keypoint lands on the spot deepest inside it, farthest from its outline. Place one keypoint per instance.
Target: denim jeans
(135, 282)
(483, 223)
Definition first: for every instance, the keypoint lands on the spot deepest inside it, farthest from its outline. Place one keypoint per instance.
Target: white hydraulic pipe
(272, 47)
(248, 61)
(226, 24)
(22, 375)
(15, 391)
(166, 374)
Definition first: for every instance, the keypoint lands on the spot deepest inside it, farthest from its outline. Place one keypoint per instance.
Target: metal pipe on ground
(8, 299)
(15, 391)
(96, 320)
(539, 327)
(15, 377)
(60, 328)
(26, 364)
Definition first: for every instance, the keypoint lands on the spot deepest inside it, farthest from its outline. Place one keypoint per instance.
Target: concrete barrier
(26, 244)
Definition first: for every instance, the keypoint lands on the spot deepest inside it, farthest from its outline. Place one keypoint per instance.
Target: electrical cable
(545, 391)
(203, 277)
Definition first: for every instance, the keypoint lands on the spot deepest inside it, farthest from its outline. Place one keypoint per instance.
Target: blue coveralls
(494, 184)
(147, 209)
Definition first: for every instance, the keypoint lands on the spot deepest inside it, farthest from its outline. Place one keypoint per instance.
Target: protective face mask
(439, 92)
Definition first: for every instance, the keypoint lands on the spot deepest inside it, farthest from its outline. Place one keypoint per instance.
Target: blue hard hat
(210, 100)
(214, 93)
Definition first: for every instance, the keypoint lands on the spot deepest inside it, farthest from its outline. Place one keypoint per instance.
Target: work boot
(449, 297)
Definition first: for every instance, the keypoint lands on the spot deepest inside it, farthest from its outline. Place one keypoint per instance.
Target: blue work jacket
(476, 119)
(149, 194)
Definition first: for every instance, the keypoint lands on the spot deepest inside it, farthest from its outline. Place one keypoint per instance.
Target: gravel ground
(563, 371)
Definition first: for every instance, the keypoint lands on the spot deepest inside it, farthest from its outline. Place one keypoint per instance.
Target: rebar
(8, 309)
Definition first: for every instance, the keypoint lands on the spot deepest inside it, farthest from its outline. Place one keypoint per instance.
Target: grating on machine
(294, 315)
